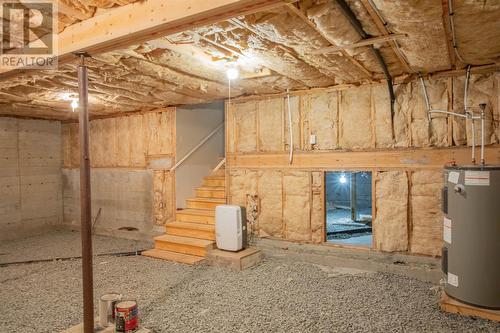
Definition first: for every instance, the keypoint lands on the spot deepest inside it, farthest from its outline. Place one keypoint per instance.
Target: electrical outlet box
(312, 139)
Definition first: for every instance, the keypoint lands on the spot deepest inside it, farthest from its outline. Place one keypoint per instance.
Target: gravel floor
(63, 244)
(283, 294)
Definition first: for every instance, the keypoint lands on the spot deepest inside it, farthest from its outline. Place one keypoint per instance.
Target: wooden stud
(364, 42)
(409, 213)
(374, 205)
(310, 204)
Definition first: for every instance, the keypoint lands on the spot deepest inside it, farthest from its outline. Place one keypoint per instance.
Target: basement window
(349, 208)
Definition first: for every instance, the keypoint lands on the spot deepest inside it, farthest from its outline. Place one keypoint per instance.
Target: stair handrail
(201, 143)
(221, 163)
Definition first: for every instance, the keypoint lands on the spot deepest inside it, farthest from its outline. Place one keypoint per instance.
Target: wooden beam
(141, 21)
(299, 13)
(394, 159)
(364, 42)
(381, 25)
(483, 69)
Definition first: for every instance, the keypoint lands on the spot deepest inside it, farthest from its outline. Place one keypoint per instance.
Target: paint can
(126, 316)
(107, 303)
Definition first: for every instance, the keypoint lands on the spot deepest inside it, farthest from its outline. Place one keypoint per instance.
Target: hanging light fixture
(74, 104)
(232, 73)
(343, 179)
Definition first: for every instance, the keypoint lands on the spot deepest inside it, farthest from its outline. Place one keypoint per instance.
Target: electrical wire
(453, 35)
(290, 158)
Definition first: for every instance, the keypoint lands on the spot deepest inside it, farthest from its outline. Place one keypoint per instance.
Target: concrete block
(236, 261)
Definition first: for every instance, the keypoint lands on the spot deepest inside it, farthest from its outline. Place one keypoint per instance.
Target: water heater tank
(471, 234)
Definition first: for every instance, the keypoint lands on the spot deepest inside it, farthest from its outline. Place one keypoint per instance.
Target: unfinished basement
(250, 166)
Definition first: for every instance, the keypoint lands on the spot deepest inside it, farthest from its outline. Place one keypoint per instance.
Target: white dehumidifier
(230, 227)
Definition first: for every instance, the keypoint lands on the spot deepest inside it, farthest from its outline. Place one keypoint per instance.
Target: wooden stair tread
(184, 240)
(215, 177)
(213, 200)
(173, 256)
(191, 237)
(191, 211)
(191, 225)
(211, 188)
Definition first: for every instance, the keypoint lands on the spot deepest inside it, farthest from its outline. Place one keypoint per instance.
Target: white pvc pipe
(473, 126)
(482, 135)
(473, 141)
(450, 113)
(290, 159)
(426, 97)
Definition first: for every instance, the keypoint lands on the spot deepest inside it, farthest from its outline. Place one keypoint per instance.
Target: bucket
(107, 303)
(126, 316)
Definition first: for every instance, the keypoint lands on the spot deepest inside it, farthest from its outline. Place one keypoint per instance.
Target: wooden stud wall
(353, 132)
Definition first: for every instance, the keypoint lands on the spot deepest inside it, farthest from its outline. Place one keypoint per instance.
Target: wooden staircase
(192, 235)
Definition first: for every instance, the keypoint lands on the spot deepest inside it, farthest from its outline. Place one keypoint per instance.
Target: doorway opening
(349, 208)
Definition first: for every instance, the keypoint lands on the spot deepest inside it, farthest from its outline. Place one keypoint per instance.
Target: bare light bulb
(343, 179)
(74, 104)
(232, 74)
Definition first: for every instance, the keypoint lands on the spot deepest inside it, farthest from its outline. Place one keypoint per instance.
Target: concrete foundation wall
(121, 199)
(30, 177)
(132, 187)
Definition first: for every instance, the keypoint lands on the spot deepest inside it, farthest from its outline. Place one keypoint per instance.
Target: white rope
(290, 159)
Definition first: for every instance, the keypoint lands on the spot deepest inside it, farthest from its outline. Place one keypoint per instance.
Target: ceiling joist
(448, 33)
(262, 36)
(364, 42)
(382, 27)
(300, 14)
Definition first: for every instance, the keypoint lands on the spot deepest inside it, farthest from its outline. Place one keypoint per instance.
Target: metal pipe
(290, 158)
(482, 106)
(85, 200)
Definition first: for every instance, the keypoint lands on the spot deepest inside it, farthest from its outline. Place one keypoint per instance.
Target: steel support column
(85, 203)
